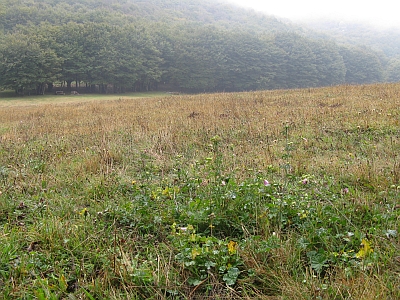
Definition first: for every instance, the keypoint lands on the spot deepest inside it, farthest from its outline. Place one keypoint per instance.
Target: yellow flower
(192, 237)
(173, 228)
(232, 247)
(84, 212)
(154, 195)
(195, 253)
(365, 249)
(166, 192)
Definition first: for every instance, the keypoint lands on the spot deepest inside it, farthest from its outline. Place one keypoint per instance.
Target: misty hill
(188, 45)
(386, 40)
(171, 11)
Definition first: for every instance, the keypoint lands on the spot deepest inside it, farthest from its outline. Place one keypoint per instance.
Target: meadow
(286, 194)
(8, 98)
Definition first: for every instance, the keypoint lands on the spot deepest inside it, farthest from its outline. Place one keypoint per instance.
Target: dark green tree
(25, 66)
(120, 45)
(329, 63)
(362, 65)
(249, 62)
(299, 66)
(148, 57)
(69, 46)
(393, 70)
(198, 58)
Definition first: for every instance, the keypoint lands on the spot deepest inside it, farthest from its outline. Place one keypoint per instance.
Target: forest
(110, 46)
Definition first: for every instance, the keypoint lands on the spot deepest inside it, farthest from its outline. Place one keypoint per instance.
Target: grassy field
(291, 194)
(8, 98)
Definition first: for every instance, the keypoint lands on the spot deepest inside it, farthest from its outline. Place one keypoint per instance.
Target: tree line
(113, 52)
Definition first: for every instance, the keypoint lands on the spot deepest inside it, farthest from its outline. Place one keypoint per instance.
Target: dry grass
(340, 130)
(71, 156)
(9, 99)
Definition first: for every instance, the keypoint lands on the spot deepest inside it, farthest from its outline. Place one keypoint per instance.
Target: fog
(383, 14)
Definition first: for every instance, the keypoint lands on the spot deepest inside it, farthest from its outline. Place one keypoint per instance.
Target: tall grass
(289, 194)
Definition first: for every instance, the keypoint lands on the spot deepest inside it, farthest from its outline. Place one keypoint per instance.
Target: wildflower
(232, 247)
(302, 214)
(84, 212)
(173, 228)
(190, 227)
(266, 182)
(167, 192)
(195, 252)
(345, 191)
(304, 181)
(365, 249)
(133, 182)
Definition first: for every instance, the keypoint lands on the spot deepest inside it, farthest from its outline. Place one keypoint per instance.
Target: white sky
(383, 13)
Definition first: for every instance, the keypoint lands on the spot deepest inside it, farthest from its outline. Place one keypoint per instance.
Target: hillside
(207, 12)
(202, 12)
(192, 46)
(386, 40)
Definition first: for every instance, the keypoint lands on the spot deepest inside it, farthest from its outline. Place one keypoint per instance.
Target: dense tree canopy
(116, 46)
(27, 63)
(362, 65)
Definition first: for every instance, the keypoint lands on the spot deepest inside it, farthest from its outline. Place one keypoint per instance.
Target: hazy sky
(383, 12)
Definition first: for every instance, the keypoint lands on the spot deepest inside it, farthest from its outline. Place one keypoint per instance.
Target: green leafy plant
(206, 257)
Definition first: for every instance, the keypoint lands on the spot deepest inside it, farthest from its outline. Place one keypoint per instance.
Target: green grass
(261, 195)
